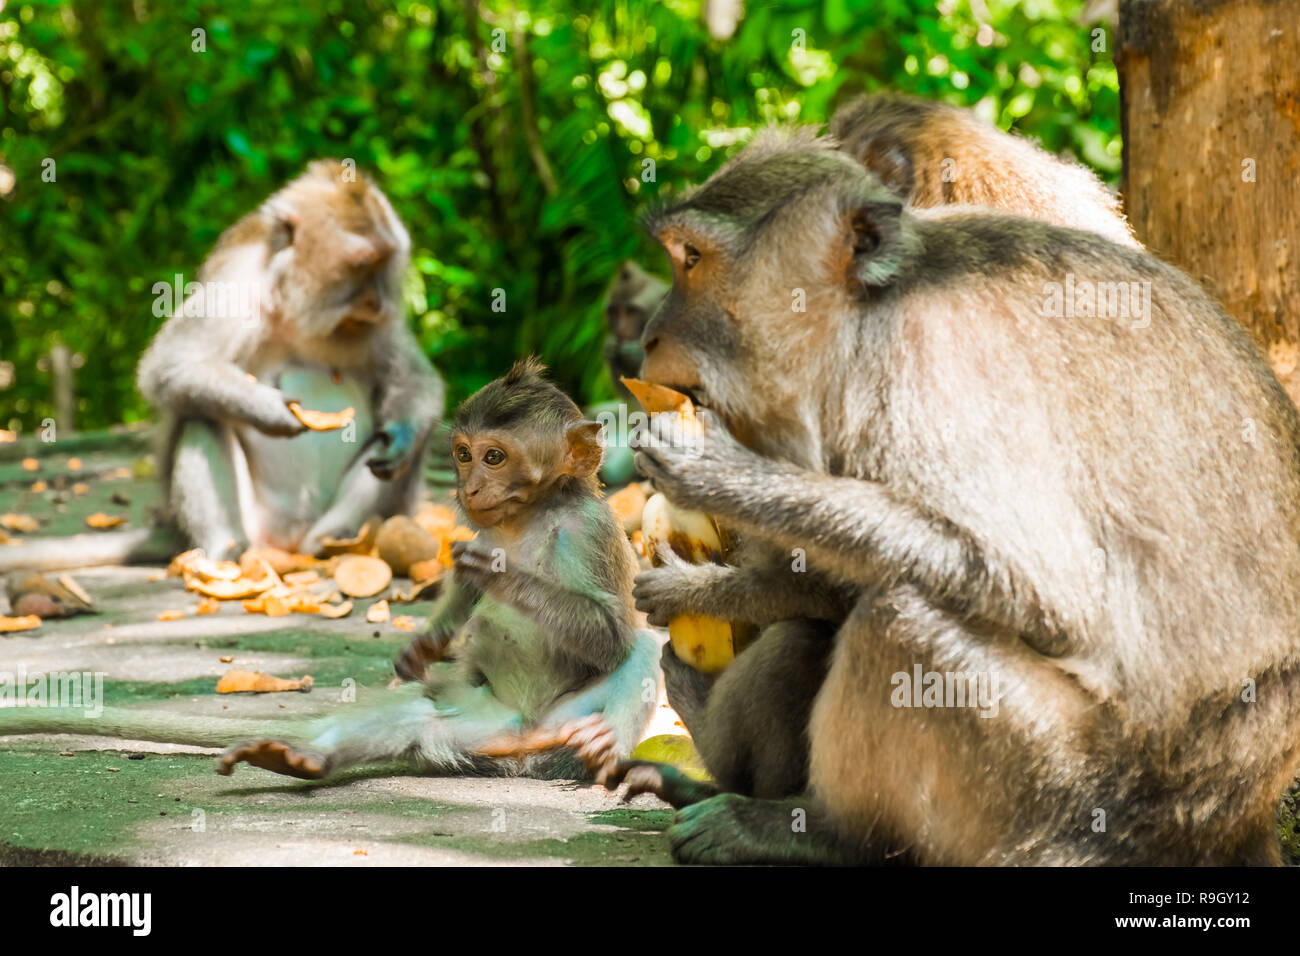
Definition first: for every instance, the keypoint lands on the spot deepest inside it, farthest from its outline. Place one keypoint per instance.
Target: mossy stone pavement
(70, 799)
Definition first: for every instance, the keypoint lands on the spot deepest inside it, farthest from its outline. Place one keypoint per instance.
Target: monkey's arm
(757, 595)
(579, 619)
(449, 614)
(410, 404)
(855, 531)
(186, 371)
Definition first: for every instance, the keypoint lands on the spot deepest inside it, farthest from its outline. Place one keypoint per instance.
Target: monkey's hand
(593, 742)
(398, 441)
(473, 565)
(426, 649)
(691, 469)
(687, 689)
(676, 587)
(270, 413)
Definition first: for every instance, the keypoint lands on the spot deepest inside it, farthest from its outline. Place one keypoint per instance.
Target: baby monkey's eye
(494, 456)
(463, 455)
(692, 256)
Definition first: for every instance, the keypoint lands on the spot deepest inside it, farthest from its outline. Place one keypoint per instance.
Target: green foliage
(467, 112)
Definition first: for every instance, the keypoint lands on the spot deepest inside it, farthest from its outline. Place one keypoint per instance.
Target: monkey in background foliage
(631, 300)
(1002, 490)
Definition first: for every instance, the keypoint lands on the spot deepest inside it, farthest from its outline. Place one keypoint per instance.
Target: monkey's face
(340, 253)
(774, 260)
(497, 476)
(632, 297)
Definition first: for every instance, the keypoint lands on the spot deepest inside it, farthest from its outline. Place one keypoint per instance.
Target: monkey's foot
(731, 829)
(728, 829)
(593, 741)
(663, 780)
(275, 756)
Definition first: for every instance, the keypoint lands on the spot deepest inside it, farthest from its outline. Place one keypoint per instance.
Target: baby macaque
(300, 301)
(533, 634)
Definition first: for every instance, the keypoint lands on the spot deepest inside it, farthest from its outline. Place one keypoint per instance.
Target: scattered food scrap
(235, 682)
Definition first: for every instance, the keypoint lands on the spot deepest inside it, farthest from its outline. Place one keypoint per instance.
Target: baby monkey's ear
(584, 448)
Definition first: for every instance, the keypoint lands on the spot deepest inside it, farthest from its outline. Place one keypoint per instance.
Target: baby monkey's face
(498, 477)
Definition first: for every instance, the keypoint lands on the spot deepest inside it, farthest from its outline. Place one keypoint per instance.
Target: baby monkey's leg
(442, 732)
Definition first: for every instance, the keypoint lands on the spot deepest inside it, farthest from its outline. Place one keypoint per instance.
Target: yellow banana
(706, 643)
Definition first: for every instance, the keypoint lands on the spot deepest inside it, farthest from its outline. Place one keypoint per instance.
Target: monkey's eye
(463, 455)
(692, 256)
(494, 456)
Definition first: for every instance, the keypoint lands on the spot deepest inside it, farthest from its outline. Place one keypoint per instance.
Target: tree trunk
(1210, 104)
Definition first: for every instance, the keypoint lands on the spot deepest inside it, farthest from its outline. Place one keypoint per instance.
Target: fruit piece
(244, 587)
(677, 750)
(185, 561)
(69, 582)
(363, 543)
(74, 464)
(401, 542)
(24, 623)
(426, 572)
(377, 613)
(279, 560)
(216, 570)
(39, 487)
(706, 643)
(33, 593)
(404, 623)
(627, 505)
(170, 615)
(233, 682)
(301, 579)
(437, 520)
(458, 533)
(322, 421)
(659, 398)
(335, 611)
(102, 521)
(30, 464)
(15, 522)
(361, 576)
(7, 436)
(208, 605)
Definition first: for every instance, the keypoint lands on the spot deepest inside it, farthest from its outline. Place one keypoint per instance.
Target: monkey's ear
(284, 225)
(892, 164)
(876, 241)
(583, 449)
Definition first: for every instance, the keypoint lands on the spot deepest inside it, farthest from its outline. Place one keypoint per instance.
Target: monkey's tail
(139, 546)
(131, 724)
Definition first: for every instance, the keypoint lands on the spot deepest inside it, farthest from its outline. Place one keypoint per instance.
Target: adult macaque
(631, 300)
(929, 154)
(932, 154)
(534, 632)
(299, 301)
(1093, 509)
